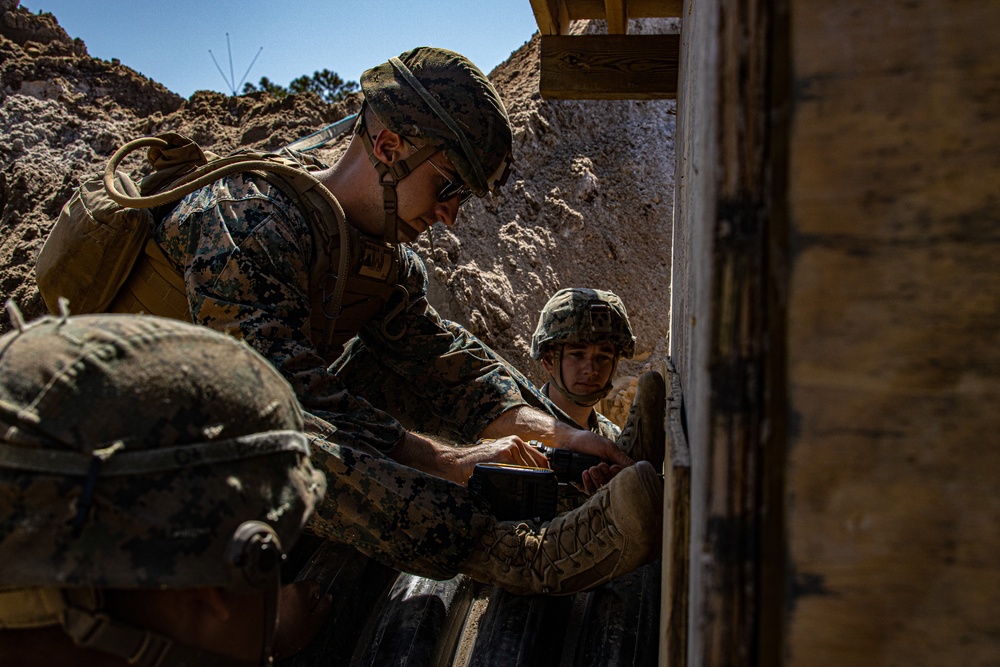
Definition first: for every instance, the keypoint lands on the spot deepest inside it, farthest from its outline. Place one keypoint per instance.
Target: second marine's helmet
(581, 315)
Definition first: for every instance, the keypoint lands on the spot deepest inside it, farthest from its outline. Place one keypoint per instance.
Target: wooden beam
(616, 12)
(637, 9)
(551, 16)
(676, 528)
(609, 67)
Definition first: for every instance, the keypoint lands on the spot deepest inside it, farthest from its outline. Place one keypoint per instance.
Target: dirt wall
(589, 204)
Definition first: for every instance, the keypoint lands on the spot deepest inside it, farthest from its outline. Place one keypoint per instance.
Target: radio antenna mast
(231, 79)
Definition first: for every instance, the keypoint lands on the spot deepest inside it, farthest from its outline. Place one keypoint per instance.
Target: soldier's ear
(388, 146)
(547, 362)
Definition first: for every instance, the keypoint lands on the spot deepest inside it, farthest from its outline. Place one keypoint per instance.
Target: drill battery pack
(516, 493)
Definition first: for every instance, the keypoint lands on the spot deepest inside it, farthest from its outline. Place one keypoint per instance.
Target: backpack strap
(347, 298)
(154, 286)
(213, 170)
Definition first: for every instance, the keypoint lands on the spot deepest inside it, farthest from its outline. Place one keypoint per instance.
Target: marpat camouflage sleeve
(243, 248)
(437, 377)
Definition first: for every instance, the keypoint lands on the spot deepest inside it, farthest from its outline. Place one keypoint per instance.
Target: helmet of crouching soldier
(142, 453)
(439, 96)
(580, 315)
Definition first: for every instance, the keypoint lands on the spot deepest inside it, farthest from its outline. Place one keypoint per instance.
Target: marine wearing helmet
(339, 306)
(441, 100)
(583, 322)
(151, 474)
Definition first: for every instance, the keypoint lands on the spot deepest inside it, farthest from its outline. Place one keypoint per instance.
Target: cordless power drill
(521, 492)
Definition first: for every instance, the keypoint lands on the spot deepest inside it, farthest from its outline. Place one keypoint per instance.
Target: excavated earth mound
(589, 204)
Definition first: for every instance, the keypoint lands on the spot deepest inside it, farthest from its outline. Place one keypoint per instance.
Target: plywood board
(894, 335)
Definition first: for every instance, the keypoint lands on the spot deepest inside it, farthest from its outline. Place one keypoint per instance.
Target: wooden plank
(726, 320)
(637, 9)
(676, 529)
(616, 12)
(609, 67)
(551, 16)
(894, 335)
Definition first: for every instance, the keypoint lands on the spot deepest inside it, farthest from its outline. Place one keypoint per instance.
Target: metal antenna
(231, 79)
(249, 68)
(228, 85)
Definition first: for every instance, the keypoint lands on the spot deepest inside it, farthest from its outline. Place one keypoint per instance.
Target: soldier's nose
(447, 212)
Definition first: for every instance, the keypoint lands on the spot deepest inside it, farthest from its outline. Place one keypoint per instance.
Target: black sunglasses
(452, 188)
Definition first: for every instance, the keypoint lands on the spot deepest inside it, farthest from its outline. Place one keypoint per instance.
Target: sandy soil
(589, 205)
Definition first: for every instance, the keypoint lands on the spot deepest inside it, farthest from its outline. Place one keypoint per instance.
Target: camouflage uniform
(242, 246)
(245, 251)
(605, 427)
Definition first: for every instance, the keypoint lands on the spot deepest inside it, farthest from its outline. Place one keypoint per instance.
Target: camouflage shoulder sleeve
(458, 377)
(604, 426)
(243, 247)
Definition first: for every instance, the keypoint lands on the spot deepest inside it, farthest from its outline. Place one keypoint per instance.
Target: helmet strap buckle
(389, 175)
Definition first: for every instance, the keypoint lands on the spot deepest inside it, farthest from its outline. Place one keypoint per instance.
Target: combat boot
(617, 530)
(644, 437)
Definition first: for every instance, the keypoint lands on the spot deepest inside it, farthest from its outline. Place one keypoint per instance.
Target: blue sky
(169, 40)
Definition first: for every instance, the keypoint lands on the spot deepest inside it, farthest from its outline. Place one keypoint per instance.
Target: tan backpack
(107, 223)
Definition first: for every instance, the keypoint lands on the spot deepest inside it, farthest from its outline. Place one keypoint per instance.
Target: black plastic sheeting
(384, 618)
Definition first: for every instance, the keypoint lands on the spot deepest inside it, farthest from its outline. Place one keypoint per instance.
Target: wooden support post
(676, 529)
(551, 16)
(616, 12)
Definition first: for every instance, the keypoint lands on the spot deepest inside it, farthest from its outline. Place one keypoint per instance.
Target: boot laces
(633, 429)
(573, 535)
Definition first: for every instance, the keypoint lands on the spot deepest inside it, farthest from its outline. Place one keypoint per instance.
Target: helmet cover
(580, 315)
(441, 96)
(132, 447)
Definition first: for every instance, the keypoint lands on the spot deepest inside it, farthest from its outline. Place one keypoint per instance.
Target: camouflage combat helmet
(140, 452)
(441, 96)
(580, 315)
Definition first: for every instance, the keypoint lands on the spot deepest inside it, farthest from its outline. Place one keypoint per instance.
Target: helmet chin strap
(254, 556)
(389, 176)
(583, 400)
(89, 627)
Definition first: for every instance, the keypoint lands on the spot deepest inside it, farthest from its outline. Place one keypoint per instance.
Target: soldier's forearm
(532, 424)
(428, 455)
(529, 424)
